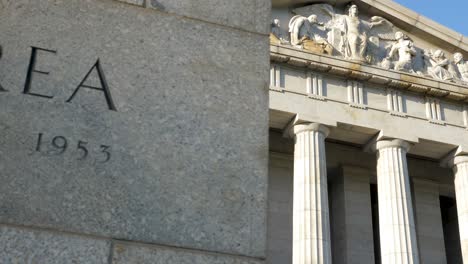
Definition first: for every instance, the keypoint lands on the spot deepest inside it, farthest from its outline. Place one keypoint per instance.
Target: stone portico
(368, 154)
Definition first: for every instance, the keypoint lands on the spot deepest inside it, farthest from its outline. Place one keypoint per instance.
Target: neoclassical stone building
(368, 135)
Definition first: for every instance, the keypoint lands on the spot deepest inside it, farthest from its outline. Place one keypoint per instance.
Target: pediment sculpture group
(375, 41)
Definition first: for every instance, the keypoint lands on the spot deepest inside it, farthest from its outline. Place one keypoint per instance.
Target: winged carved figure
(352, 37)
(306, 34)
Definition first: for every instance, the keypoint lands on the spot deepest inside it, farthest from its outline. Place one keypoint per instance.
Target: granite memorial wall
(133, 131)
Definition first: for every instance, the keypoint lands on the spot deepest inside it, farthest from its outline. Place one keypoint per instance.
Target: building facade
(368, 135)
(144, 131)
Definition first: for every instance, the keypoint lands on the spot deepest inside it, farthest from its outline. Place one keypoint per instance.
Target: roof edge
(420, 22)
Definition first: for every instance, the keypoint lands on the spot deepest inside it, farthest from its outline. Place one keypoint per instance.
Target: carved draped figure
(299, 27)
(354, 38)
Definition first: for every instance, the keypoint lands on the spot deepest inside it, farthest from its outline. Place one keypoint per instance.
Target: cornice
(416, 22)
(368, 73)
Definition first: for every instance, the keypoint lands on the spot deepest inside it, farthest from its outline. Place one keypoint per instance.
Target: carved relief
(404, 50)
(357, 33)
(305, 34)
(276, 36)
(348, 35)
(461, 67)
(440, 67)
(319, 28)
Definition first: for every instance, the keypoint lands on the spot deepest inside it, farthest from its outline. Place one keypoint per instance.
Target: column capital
(453, 159)
(306, 123)
(460, 159)
(376, 144)
(296, 129)
(382, 144)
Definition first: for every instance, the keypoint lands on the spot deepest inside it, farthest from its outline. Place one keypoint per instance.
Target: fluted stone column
(398, 241)
(311, 223)
(460, 168)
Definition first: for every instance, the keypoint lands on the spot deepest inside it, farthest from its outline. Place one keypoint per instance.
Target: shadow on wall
(155, 4)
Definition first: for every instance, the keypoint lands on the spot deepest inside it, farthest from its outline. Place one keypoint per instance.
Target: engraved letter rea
(97, 66)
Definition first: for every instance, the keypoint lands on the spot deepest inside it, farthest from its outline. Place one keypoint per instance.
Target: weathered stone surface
(134, 2)
(125, 253)
(251, 15)
(18, 246)
(188, 140)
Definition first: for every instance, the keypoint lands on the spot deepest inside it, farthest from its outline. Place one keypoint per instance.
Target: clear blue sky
(450, 13)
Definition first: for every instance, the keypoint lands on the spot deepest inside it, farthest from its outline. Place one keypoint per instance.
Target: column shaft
(311, 228)
(398, 239)
(461, 190)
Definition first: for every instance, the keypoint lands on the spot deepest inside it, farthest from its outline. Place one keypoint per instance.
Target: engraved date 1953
(59, 145)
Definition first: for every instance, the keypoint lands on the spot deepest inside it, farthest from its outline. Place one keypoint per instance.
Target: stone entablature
(367, 73)
(334, 91)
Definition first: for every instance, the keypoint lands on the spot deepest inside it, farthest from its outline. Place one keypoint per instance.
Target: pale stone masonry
(429, 222)
(390, 87)
(352, 216)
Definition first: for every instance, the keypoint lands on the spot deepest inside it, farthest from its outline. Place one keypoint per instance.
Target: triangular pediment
(381, 33)
(402, 17)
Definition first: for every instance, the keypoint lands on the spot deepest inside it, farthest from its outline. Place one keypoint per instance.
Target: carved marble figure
(350, 36)
(404, 48)
(440, 66)
(302, 30)
(462, 66)
(375, 41)
(276, 36)
(354, 40)
(356, 33)
(299, 28)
